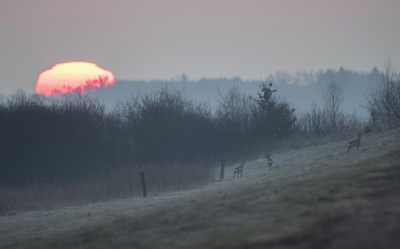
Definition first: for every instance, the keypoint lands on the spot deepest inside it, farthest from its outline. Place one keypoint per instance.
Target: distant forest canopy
(301, 90)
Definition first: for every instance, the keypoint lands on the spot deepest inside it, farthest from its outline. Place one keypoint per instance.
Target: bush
(165, 126)
(50, 139)
(383, 101)
(273, 118)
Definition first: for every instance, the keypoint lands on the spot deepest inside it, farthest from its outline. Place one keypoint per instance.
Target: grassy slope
(292, 210)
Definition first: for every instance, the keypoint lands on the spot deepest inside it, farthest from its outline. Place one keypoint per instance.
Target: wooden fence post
(143, 184)
(222, 169)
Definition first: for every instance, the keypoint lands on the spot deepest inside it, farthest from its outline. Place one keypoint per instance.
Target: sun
(72, 76)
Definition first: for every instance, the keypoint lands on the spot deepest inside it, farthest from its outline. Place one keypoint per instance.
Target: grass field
(315, 197)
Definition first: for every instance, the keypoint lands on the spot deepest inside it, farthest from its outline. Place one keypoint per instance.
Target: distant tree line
(301, 89)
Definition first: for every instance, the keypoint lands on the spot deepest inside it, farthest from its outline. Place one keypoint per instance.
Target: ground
(315, 197)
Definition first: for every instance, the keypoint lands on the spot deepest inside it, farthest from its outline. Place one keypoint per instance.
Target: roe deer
(355, 143)
(239, 170)
(269, 162)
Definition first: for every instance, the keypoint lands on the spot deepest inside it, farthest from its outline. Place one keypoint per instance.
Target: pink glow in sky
(150, 39)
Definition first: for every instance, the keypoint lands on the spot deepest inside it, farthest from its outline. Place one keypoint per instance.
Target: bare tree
(333, 98)
(383, 101)
(234, 108)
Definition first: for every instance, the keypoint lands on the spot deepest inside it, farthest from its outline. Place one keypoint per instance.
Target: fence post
(222, 169)
(143, 184)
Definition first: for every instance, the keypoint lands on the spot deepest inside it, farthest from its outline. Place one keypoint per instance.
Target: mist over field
(82, 157)
(212, 124)
(301, 90)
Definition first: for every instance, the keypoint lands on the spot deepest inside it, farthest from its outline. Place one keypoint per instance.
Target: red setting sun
(71, 76)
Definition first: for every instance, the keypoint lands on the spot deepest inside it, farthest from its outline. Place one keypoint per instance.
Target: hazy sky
(208, 38)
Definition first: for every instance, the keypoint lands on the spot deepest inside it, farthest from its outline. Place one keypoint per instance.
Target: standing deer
(269, 162)
(355, 143)
(239, 170)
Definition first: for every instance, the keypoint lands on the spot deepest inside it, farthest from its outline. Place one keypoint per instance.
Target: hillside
(319, 196)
